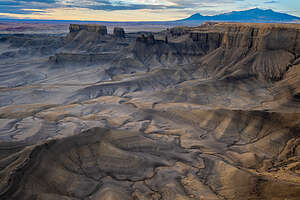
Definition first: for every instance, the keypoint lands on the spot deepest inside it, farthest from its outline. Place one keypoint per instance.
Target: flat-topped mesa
(85, 33)
(75, 28)
(179, 31)
(119, 32)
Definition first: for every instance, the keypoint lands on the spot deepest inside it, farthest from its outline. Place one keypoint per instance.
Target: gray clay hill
(188, 113)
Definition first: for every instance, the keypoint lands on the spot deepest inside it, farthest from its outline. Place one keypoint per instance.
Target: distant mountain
(252, 15)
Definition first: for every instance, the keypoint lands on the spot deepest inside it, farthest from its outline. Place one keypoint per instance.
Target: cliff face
(99, 29)
(207, 41)
(82, 36)
(261, 37)
(88, 27)
(119, 32)
(67, 59)
(258, 37)
(263, 50)
(166, 50)
(221, 49)
(225, 49)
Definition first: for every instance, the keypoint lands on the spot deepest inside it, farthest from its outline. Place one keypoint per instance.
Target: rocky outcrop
(179, 31)
(252, 36)
(76, 28)
(83, 36)
(95, 39)
(163, 50)
(119, 32)
(149, 40)
(221, 49)
(263, 50)
(72, 59)
(257, 37)
(207, 41)
(262, 37)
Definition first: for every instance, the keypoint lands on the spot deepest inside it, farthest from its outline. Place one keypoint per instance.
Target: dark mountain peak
(251, 15)
(256, 9)
(196, 16)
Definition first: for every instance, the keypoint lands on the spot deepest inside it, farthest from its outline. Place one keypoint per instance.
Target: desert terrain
(186, 113)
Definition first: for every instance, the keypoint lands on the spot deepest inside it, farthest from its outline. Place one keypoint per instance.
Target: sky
(134, 10)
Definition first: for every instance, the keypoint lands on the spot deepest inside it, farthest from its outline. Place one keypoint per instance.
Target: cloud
(21, 11)
(117, 5)
(41, 1)
(30, 6)
(18, 6)
(189, 6)
(271, 2)
(26, 6)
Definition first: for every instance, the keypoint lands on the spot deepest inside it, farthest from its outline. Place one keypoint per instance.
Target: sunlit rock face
(209, 112)
(76, 28)
(83, 35)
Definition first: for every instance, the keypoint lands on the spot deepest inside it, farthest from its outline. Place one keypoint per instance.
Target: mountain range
(252, 15)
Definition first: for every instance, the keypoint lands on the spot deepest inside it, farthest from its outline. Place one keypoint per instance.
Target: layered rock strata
(199, 113)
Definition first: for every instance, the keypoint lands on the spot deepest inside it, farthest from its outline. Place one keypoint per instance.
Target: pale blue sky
(134, 10)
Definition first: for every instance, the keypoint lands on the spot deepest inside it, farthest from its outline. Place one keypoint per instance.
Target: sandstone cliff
(263, 50)
(228, 49)
(119, 32)
(77, 28)
(82, 36)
